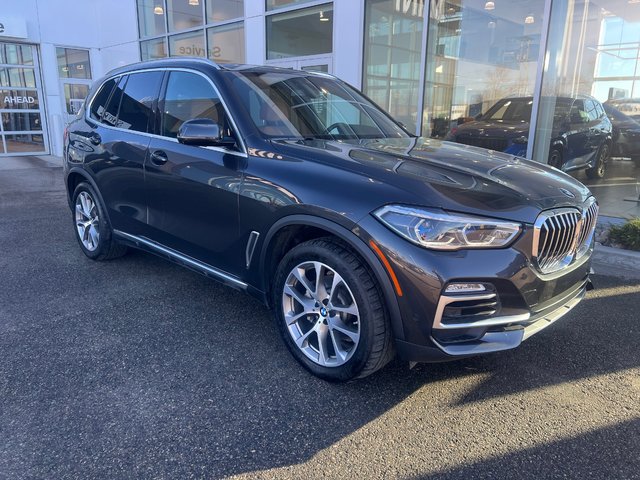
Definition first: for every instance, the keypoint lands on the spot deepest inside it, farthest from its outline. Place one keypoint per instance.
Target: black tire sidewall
(558, 153)
(309, 252)
(104, 230)
(594, 172)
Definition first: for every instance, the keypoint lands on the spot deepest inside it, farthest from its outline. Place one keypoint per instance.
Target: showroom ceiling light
(323, 18)
(489, 6)
(158, 10)
(529, 19)
(194, 3)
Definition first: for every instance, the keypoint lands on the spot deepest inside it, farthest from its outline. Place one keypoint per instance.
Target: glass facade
(556, 81)
(193, 28)
(21, 101)
(301, 32)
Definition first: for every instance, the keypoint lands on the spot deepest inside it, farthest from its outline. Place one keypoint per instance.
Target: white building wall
(107, 28)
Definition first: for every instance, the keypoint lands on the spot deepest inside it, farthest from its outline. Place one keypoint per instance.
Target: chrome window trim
(243, 146)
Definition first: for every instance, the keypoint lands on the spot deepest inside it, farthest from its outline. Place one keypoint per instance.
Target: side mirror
(203, 132)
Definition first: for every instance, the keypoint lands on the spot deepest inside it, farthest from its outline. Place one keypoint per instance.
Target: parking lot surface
(139, 368)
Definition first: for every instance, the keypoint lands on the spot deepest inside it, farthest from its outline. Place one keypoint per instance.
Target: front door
(193, 191)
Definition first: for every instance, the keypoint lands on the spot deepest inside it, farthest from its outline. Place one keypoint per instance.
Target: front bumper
(525, 303)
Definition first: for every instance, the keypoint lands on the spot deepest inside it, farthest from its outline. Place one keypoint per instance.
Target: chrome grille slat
(563, 235)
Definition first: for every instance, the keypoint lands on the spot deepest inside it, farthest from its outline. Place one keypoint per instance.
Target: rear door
(578, 147)
(193, 191)
(122, 137)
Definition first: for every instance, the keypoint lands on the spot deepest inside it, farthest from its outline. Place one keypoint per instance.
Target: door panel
(123, 142)
(578, 147)
(193, 191)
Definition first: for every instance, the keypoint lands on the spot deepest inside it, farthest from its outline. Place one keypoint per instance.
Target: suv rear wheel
(330, 311)
(93, 231)
(600, 168)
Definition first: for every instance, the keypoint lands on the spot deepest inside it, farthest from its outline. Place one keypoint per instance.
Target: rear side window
(590, 107)
(100, 100)
(110, 115)
(137, 101)
(189, 96)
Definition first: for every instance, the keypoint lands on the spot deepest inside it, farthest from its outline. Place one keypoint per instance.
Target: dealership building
(433, 64)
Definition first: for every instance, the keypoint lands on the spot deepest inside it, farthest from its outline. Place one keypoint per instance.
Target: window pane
(140, 92)
(184, 14)
(393, 58)
(272, 4)
(189, 96)
(187, 45)
(100, 100)
(226, 43)
(24, 142)
(73, 63)
(480, 54)
(152, 49)
(17, 77)
(19, 99)
(74, 96)
(110, 115)
(601, 67)
(13, 122)
(302, 32)
(16, 54)
(151, 18)
(221, 10)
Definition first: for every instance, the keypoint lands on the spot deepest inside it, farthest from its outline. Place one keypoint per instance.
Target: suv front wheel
(330, 311)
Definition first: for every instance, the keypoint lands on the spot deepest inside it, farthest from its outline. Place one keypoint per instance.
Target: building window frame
(200, 28)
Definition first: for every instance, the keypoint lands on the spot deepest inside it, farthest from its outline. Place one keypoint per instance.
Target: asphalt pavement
(137, 368)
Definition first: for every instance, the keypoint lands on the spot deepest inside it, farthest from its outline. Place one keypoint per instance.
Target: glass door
(22, 129)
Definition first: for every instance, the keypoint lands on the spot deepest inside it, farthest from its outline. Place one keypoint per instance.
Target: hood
(447, 175)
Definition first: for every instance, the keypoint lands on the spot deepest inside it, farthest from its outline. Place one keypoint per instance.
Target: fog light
(465, 288)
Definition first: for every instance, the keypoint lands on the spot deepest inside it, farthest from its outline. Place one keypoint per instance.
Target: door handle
(159, 157)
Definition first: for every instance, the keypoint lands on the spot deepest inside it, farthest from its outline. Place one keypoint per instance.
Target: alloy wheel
(321, 314)
(87, 221)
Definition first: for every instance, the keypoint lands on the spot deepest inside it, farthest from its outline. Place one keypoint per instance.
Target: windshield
(292, 105)
(516, 110)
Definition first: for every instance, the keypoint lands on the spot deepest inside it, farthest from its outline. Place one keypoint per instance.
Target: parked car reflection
(581, 132)
(626, 130)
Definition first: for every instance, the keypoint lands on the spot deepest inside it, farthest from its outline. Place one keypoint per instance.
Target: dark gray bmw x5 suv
(292, 186)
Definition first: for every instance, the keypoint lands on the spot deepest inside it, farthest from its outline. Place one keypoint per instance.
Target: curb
(616, 262)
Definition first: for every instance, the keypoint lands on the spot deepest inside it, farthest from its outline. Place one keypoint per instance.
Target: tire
(555, 158)
(600, 168)
(92, 228)
(346, 312)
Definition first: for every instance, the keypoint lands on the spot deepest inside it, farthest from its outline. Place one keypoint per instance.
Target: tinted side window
(110, 115)
(189, 96)
(590, 107)
(578, 113)
(100, 100)
(136, 107)
(599, 109)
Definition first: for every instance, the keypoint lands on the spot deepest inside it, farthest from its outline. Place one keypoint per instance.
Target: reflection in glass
(308, 31)
(151, 18)
(393, 57)
(17, 77)
(152, 49)
(22, 121)
(187, 45)
(73, 63)
(222, 10)
(24, 143)
(184, 14)
(16, 54)
(226, 43)
(476, 57)
(593, 56)
(273, 4)
(74, 96)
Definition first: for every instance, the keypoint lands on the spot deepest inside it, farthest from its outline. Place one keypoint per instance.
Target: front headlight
(442, 231)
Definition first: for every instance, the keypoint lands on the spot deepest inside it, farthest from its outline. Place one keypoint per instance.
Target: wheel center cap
(323, 311)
